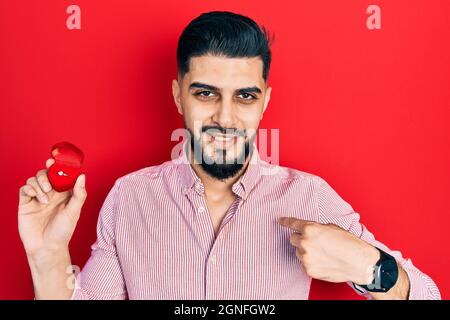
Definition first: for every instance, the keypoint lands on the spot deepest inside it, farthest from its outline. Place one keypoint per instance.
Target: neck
(215, 187)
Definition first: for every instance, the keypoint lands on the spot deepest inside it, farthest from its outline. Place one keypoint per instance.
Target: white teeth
(219, 138)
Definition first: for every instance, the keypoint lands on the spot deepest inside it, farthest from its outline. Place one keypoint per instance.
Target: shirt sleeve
(102, 277)
(333, 209)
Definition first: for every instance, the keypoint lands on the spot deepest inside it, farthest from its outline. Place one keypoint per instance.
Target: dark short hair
(223, 33)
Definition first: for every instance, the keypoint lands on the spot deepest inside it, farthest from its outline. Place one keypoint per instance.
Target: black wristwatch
(385, 274)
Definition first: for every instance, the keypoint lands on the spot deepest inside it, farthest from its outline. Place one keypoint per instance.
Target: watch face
(388, 273)
(385, 274)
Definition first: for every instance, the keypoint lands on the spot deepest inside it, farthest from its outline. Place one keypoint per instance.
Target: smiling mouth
(221, 140)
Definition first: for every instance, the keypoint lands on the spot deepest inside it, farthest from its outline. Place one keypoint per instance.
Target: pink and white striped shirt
(155, 238)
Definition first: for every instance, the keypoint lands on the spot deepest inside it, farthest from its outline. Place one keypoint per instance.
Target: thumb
(78, 196)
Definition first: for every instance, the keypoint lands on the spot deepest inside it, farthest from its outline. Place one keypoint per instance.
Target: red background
(367, 110)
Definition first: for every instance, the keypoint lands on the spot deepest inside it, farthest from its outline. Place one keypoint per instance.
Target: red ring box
(67, 167)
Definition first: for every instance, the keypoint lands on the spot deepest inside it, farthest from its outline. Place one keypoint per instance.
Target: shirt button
(213, 259)
(201, 209)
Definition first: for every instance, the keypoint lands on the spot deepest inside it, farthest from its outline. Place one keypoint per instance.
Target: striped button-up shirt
(155, 237)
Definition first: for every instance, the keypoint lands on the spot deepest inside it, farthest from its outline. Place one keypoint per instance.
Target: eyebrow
(200, 85)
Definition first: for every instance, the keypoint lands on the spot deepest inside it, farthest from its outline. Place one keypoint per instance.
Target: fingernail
(82, 180)
(47, 187)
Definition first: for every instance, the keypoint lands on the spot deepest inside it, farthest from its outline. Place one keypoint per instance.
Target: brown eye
(247, 96)
(204, 94)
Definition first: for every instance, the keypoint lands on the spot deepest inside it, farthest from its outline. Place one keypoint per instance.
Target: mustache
(224, 131)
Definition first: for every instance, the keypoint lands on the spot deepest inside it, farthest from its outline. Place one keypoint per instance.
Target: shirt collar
(189, 180)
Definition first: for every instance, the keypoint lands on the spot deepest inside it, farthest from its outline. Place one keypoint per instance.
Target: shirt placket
(211, 245)
(214, 269)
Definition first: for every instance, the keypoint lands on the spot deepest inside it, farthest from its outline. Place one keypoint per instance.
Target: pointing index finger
(293, 223)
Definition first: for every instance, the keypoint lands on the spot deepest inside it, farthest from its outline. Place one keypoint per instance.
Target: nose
(225, 114)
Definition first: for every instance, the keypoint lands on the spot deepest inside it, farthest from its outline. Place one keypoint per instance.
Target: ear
(176, 92)
(266, 100)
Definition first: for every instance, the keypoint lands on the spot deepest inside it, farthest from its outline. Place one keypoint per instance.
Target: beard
(216, 168)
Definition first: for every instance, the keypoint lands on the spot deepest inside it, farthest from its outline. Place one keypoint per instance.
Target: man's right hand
(47, 218)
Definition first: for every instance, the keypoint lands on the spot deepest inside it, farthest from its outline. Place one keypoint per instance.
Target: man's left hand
(330, 253)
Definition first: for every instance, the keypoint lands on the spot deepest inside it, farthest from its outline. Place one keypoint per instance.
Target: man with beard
(218, 222)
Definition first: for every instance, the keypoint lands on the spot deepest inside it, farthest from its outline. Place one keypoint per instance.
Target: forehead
(226, 72)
